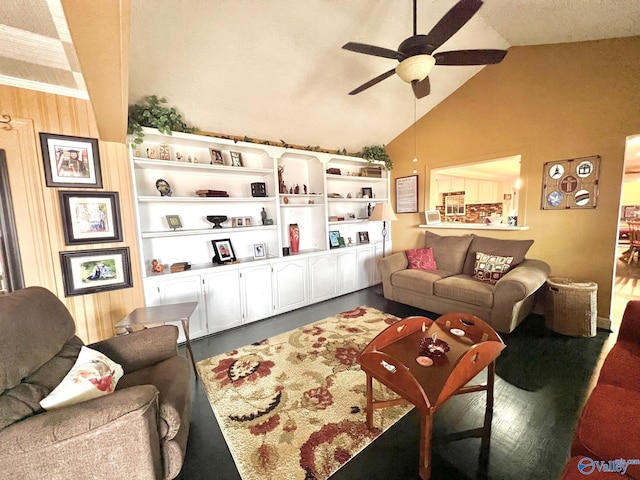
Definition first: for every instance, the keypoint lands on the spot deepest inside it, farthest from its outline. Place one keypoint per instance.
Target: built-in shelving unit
(253, 288)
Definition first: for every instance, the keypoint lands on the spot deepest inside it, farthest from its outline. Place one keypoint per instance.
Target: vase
(294, 237)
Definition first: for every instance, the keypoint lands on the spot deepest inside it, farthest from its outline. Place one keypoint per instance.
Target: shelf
(156, 199)
(354, 178)
(357, 220)
(298, 195)
(357, 200)
(300, 205)
(203, 231)
(185, 167)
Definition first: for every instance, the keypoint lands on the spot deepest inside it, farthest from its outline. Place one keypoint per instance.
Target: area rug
(293, 406)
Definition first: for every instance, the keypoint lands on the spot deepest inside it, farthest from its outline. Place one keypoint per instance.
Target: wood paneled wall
(37, 209)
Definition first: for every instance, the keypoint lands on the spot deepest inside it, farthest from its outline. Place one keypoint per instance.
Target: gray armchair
(139, 431)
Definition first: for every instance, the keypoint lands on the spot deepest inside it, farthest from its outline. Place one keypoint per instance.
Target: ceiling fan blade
(373, 81)
(422, 88)
(469, 57)
(452, 21)
(372, 50)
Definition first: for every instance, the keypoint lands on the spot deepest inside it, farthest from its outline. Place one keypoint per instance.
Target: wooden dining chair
(634, 240)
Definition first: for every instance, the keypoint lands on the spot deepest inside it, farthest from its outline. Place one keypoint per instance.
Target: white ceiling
(275, 69)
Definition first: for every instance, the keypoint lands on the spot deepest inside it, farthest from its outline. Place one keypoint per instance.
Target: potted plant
(377, 154)
(152, 112)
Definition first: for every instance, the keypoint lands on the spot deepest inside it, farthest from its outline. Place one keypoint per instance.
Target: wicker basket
(570, 308)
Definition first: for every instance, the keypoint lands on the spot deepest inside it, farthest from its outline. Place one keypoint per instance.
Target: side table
(147, 316)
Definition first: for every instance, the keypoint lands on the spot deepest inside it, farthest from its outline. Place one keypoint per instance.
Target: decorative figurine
(189, 159)
(164, 152)
(178, 156)
(151, 153)
(291, 191)
(294, 237)
(164, 188)
(282, 188)
(263, 214)
(297, 189)
(305, 189)
(156, 266)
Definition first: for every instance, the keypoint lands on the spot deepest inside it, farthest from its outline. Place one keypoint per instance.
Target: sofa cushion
(604, 429)
(421, 259)
(419, 281)
(463, 289)
(491, 268)
(506, 248)
(28, 340)
(93, 375)
(23, 400)
(622, 366)
(449, 251)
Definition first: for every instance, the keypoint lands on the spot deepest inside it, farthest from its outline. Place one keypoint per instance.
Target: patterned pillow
(491, 268)
(421, 259)
(93, 375)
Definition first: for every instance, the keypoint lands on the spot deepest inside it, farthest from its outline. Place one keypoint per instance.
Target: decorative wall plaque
(571, 183)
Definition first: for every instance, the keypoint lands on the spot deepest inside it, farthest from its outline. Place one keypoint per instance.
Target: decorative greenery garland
(151, 112)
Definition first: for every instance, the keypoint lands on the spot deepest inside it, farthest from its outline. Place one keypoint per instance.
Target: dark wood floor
(542, 381)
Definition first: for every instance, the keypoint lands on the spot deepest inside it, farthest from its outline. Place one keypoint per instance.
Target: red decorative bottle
(294, 237)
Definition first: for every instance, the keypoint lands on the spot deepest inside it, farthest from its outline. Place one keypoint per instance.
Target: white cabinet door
(366, 264)
(377, 278)
(257, 292)
(223, 299)
(457, 184)
(290, 285)
(322, 277)
(347, 271)
(487, 191)
(471, 190)
(184, 289)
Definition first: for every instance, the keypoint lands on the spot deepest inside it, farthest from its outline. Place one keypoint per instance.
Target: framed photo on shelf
(174, 221)
(334, 235)
(341, 242)
(363, 237)
(259, 251)
(93, 271)
(216, 156)
(70, 161)
(236, 159)
(89, 217)
(223, 251)
(367, 192)
(407, 194)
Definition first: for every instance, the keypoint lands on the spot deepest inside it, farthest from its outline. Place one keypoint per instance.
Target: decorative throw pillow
(491, 268)
(421, 259)
(93, 375)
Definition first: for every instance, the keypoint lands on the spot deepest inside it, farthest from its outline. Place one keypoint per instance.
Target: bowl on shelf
(217, 220)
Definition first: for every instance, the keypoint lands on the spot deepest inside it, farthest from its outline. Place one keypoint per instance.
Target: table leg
(426, 431)
(185, 328)
(369, 402)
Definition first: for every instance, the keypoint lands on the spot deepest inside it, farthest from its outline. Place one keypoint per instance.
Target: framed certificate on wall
(407, 194)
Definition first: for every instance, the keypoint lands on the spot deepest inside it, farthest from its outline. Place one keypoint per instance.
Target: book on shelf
(212, 193)
(180, 267)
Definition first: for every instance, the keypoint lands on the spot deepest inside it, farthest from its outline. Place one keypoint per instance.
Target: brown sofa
(607, 431)
(139, 431)
(452, 287)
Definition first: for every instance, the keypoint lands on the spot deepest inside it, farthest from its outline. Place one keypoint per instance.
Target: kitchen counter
(473, 226)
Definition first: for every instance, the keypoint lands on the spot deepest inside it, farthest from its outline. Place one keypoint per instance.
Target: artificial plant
(377, 153)
(152, 112)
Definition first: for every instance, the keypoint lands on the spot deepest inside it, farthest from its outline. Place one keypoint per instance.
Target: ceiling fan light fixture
(416, 68)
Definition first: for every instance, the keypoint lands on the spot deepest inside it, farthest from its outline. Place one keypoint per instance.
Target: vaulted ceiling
(272, 69)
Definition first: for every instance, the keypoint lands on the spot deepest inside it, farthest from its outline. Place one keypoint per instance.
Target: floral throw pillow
(491, 268)
(421, 259)
(93, 375)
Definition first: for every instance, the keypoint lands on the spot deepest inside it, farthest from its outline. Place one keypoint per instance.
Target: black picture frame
(90, 217)
(223, 251)
(363, 237)
(367, 192)
(94, 271)
(334, 235)
(70, 161)
(216, 156)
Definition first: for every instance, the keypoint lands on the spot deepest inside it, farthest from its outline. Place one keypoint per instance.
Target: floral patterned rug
(293, 406)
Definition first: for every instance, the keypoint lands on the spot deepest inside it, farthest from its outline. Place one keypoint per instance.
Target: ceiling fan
(416, 56)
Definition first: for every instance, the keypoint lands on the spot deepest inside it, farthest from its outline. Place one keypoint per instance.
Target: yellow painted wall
(37, 209)
(547, 102)
(631, 192)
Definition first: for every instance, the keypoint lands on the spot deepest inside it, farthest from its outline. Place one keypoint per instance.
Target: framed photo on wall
(70, 161)
(89, 217)
(93, 271)
(407, 194)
